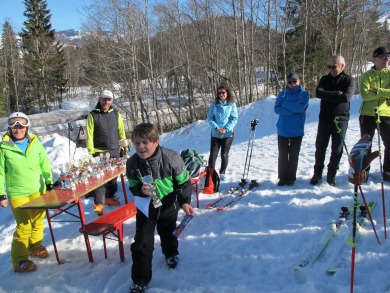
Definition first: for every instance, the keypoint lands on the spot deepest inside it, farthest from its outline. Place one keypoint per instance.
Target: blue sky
(65, 14)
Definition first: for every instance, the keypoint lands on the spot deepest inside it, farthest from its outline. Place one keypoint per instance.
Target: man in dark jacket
(335, 91)
(105, 129)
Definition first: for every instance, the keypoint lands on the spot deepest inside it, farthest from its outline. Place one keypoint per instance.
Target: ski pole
(378, 121)
(250, 148)
(253, 128)
(247, 154)
(355, 204)
(81, 131)
(369, 214)
(70, 128)
(338, 129)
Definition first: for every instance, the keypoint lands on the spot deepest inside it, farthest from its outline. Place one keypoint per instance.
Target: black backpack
(211, 184)
(193, 162)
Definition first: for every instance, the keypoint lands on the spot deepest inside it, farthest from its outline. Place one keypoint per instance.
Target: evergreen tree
(3, 111)
(12, 70)
(43, 57)
(58, 77)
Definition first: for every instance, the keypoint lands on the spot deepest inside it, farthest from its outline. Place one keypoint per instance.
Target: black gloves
(53, 186)
(57, 183)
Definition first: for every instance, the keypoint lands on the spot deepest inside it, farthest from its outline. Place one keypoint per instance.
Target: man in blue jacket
(290, 105)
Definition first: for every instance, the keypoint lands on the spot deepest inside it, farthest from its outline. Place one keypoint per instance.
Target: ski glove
(54, 185)
(359, 160)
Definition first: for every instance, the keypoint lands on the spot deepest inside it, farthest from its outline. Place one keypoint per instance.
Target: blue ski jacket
(291, 105)
(222, 115)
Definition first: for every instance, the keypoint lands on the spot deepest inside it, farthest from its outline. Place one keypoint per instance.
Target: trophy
(152, 188)
(68, 176)
(83, 165)
(107, 164)
(96, 168)
(62, 177)
(124, 143)
(74, 170)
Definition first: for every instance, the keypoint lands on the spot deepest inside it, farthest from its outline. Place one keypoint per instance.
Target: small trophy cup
(62, 177)
(152, 188)
(124, 143)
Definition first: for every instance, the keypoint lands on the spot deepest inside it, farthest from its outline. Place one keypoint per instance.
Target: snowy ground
(250, 248)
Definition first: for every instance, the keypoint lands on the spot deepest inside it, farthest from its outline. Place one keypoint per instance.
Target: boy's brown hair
(145, 130)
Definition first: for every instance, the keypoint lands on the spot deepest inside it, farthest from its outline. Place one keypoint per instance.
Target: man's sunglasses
(383, 57)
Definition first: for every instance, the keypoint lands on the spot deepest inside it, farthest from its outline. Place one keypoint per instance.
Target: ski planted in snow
(244, 192)
(231, 191)
(179, 229)
(326, 238)
(361, 220)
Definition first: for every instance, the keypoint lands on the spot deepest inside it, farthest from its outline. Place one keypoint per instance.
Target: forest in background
(164, 59)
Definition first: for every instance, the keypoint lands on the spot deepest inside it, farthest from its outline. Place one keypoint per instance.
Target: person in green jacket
(157, 201)
(25, 174)
(375, 92)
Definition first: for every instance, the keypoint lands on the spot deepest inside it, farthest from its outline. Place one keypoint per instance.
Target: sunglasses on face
(332, 66)
(221, 93)
(383, 57)
(17, 121)
(292, 82)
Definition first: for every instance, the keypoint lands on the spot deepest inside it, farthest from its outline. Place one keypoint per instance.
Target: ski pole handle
(254, 123)
(378, 120)
(336, 122)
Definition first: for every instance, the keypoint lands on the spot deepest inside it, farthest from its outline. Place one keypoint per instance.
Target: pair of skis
(361, 221)
(239, 191)
(334, 229)
(235, 194)
(231, 191)
(326, 238)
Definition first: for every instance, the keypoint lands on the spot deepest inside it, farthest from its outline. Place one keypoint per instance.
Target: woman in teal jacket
(26, 173)
(223, 116)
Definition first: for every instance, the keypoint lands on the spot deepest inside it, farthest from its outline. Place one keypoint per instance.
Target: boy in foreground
(157, 201)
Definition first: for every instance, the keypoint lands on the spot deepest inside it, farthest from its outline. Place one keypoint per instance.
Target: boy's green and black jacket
(170, 176)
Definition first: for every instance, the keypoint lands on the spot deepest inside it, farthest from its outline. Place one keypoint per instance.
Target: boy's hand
(188, 209)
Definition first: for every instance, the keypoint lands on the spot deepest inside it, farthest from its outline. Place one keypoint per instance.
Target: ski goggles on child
(12, 122)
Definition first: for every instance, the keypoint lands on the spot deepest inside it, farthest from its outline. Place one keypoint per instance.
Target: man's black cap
(380, 51)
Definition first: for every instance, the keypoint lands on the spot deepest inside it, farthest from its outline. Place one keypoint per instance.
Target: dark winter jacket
(291, 105)
(335, 94)
(104, 130)
(170, 175)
